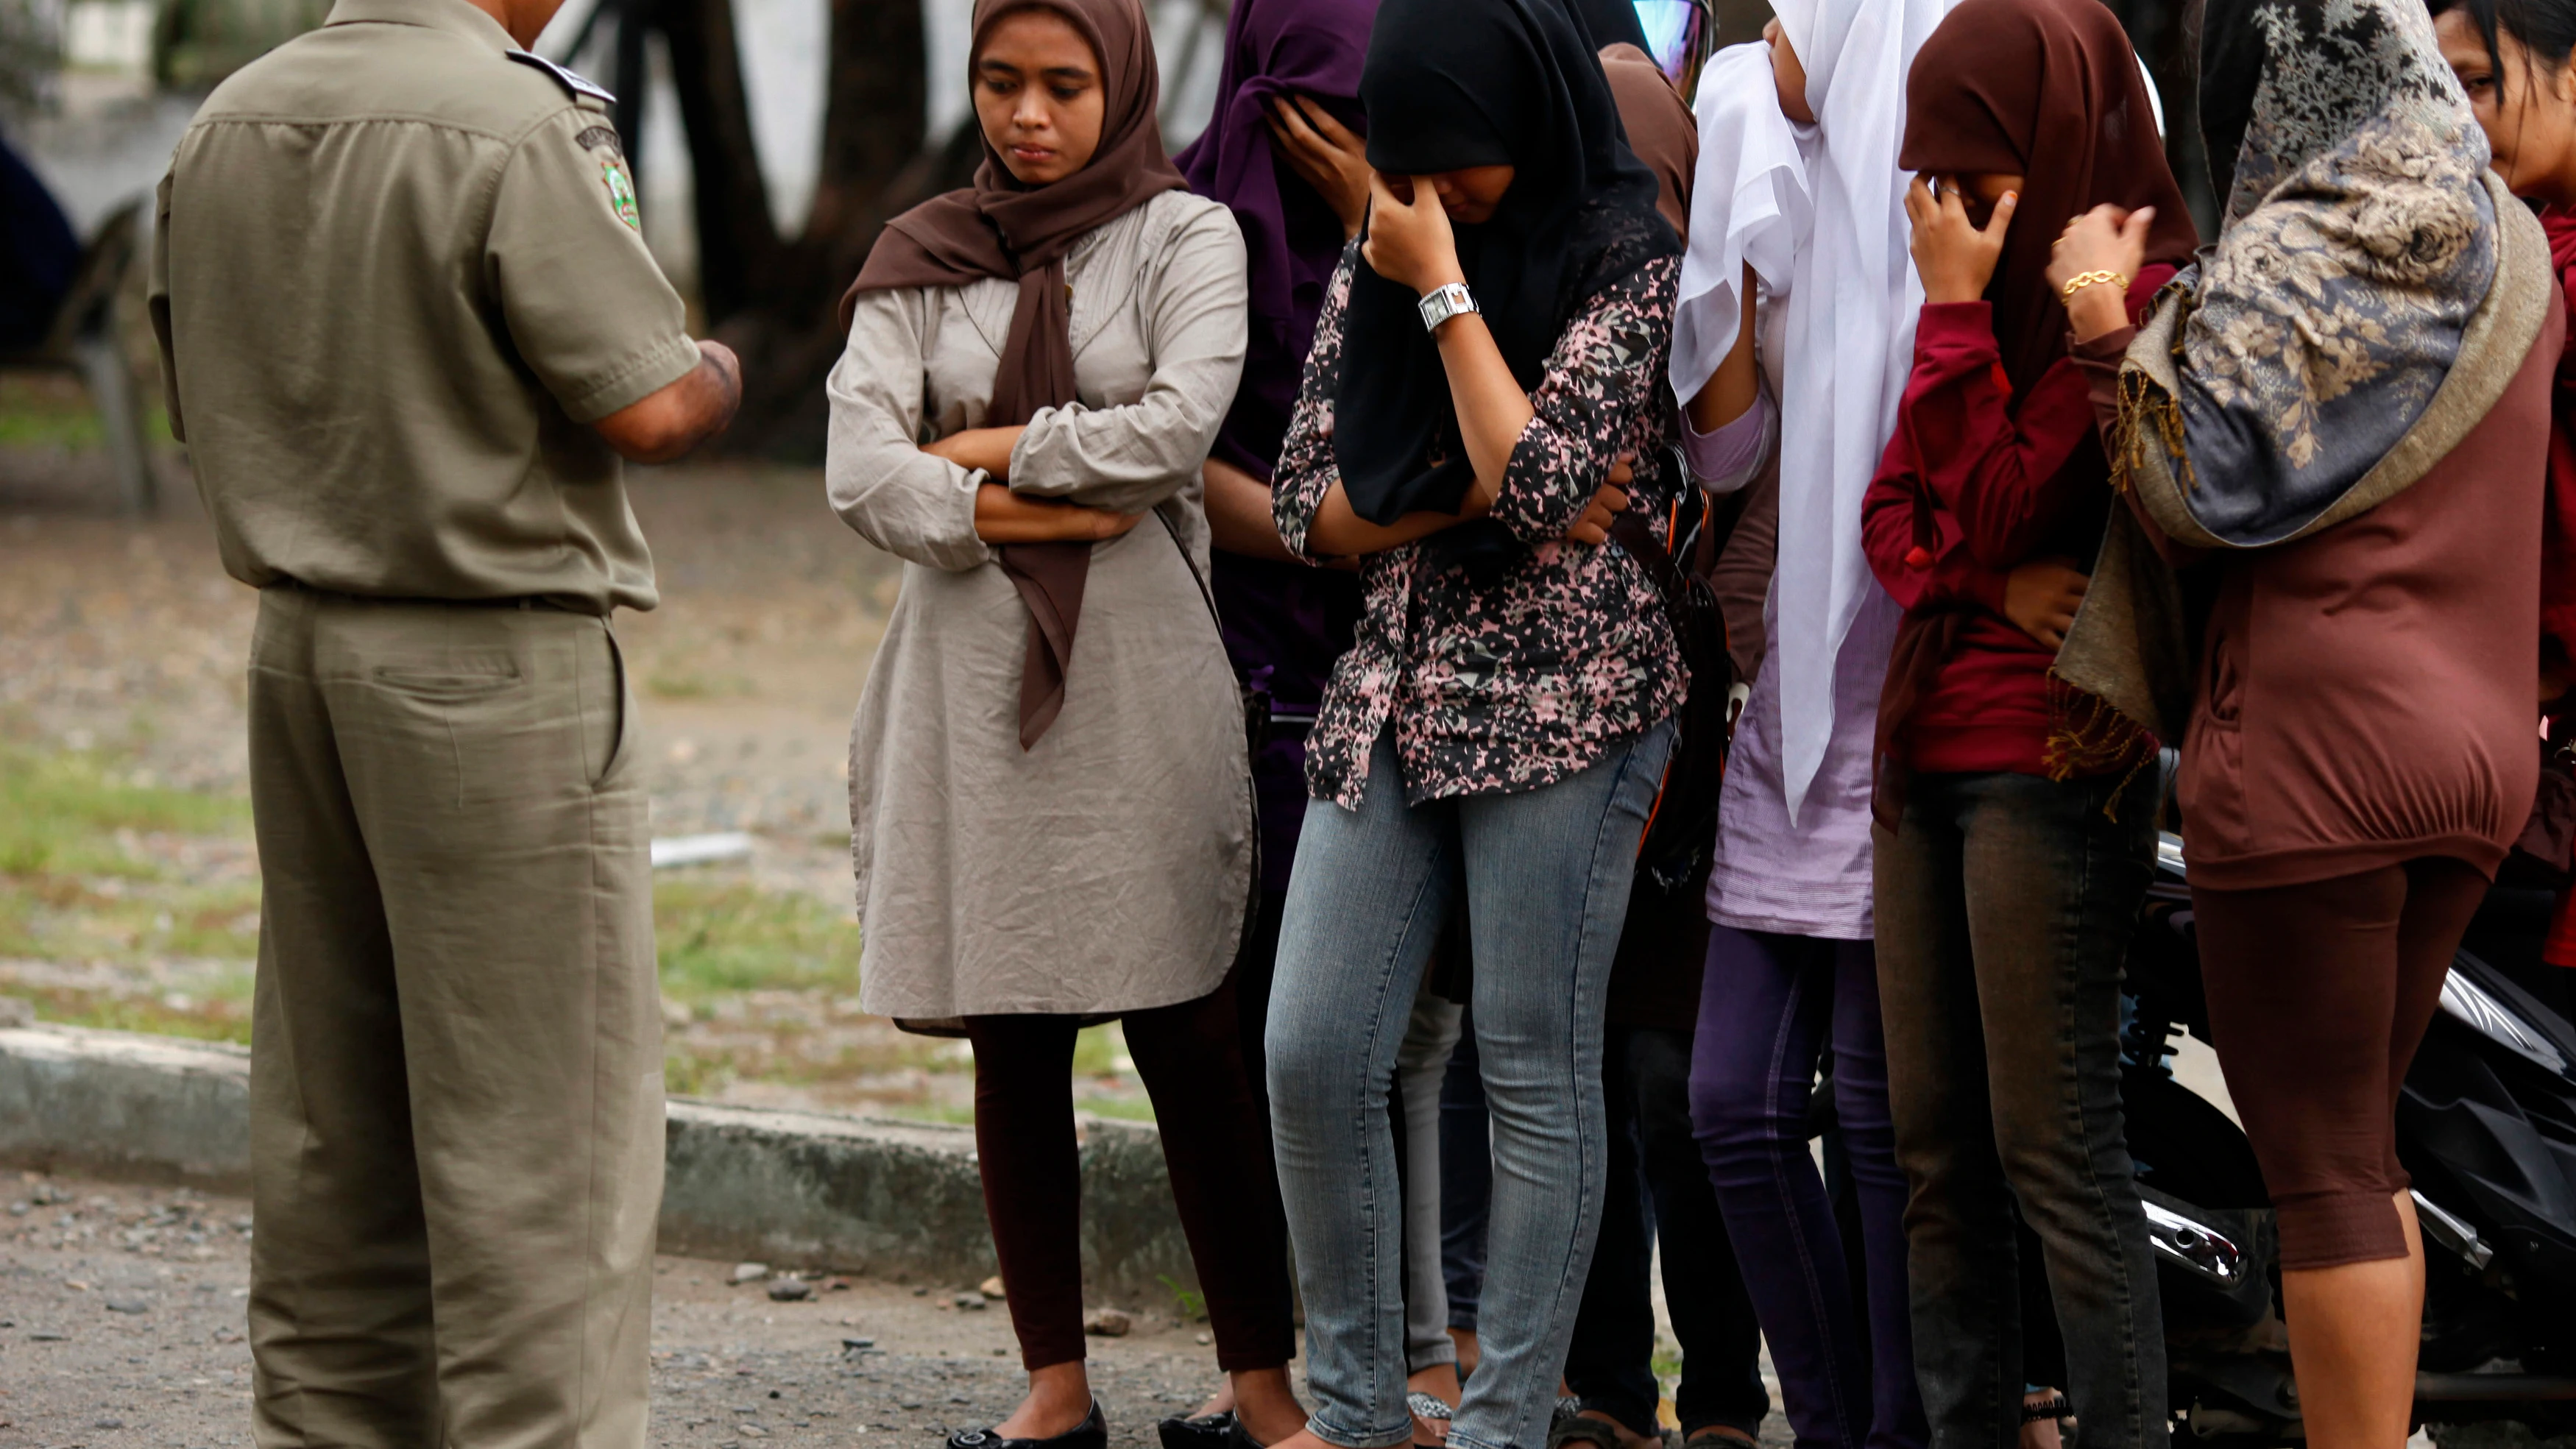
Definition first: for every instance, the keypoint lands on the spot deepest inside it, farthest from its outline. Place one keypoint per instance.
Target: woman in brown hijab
(2010, 864)
(1048, 794)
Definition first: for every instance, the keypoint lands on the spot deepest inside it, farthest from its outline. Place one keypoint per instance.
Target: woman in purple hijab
(1283, 151)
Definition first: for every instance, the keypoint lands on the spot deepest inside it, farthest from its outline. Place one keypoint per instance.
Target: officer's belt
(522, 601)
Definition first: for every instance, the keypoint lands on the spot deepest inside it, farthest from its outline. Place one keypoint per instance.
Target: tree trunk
(774, 299)
(736, 240)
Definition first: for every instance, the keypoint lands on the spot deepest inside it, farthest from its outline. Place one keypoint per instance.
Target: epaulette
(577, 84)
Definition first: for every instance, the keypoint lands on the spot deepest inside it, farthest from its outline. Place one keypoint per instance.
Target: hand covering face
(1451, 85)
(1000, 228)
(1275, 50)
(2048, 90)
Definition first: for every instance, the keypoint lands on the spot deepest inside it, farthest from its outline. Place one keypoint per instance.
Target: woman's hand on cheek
(1326, 155)
(1954, 256)
(2105, 239)
(1409, 240)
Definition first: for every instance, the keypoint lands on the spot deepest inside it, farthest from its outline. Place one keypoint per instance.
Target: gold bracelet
(2082, 280)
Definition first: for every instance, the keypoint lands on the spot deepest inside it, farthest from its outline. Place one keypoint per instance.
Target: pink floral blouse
(1524, 681)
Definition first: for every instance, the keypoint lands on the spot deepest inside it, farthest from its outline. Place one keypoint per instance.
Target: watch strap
(1444, 302)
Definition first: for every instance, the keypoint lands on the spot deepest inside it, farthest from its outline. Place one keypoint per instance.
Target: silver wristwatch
(1442, 303)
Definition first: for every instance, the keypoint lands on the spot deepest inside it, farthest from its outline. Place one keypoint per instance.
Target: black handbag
(1681, 830)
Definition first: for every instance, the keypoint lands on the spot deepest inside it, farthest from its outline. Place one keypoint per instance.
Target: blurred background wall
(771, 138)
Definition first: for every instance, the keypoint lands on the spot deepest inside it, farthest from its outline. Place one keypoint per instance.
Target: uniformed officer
(408, 325)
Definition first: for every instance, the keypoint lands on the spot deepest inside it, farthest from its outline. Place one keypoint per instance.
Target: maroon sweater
(2368, 694)
(2006, 480)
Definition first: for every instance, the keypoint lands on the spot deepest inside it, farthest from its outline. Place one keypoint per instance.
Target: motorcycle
(2486, 1127)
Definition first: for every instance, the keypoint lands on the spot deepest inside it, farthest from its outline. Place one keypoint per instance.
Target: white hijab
(1851, 295)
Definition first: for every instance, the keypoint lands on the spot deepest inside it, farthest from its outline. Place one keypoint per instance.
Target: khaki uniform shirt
(397, 273)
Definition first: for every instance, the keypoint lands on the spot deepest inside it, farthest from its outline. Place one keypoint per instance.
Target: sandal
(2054, 1406)
(1429, 1409)
(1573, 1429)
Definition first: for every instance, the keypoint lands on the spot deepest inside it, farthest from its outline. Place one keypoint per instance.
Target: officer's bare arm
(668, 424)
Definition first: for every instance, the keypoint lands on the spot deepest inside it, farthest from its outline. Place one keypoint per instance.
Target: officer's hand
(669, 424)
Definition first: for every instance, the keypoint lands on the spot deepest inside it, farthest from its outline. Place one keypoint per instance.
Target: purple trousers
(1769, 1008)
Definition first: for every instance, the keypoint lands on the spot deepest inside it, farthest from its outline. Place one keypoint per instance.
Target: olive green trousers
(456, 1069)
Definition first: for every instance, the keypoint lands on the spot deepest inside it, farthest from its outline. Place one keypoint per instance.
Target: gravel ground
(121, 1328)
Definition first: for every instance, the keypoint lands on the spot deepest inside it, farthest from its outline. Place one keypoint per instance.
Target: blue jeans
(2005, 905)
(1770, 1006)
(1546, 875)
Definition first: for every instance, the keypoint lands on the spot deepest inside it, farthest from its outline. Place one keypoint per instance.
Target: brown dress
(2367, 694)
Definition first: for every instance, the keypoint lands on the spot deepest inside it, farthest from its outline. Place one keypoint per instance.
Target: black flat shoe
(1208, 1431)
(1091, 1433)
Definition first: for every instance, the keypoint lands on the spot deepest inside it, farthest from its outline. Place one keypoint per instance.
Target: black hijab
(1610, 22)
(1483, 83)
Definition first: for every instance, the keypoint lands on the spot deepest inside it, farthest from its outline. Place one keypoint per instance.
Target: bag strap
(1631, 532)
(1206, 594)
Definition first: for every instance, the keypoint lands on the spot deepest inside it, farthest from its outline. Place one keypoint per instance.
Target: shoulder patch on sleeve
(577, 84)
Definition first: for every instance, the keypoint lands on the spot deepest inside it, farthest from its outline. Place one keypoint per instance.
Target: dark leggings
(1214, 1144)
(2319, 994)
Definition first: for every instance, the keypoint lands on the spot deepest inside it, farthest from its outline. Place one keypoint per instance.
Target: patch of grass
(684, 683)
(61, 814)
(687, 1074)
(1191, 1302)
(56, 412)
(76, 883)
(1098, 1050)
(223, 1016)
(719, 938)
(1125, 1109)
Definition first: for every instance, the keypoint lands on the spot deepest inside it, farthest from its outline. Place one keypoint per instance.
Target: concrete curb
(805, 1189)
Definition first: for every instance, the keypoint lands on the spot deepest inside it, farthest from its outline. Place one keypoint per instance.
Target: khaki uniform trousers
(456, 1071)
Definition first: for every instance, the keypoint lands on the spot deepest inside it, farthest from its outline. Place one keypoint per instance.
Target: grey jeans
(1420, 1064)
(2005, 906)
(1546, 875)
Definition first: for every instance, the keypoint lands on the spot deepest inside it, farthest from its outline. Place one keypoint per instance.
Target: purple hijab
(1291, 239)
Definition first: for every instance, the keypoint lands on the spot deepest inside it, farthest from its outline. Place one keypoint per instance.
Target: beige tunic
(1105, 870)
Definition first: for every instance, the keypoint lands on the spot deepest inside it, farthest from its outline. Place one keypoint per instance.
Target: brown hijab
(2047, 90)
(1661, 130)
(999, 228)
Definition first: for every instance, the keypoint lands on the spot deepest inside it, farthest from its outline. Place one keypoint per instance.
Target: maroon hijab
(999, 228)
(2048, 90)
(1660, 127)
